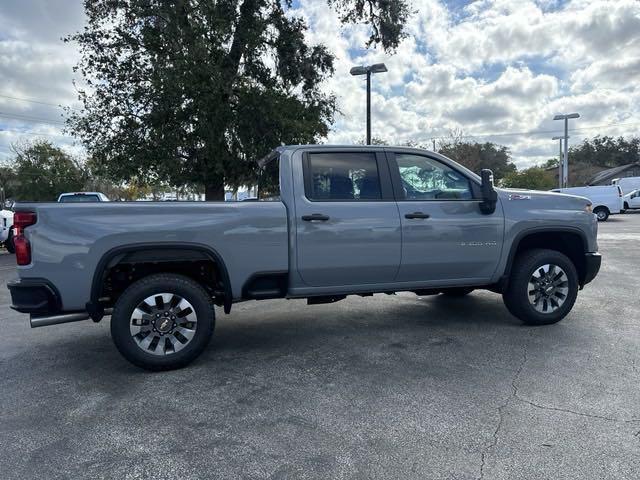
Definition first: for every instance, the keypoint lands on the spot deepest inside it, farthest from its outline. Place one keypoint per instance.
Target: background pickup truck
(331, 222)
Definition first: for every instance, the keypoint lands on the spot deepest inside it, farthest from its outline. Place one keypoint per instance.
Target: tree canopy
(533, 178)
(43, 171)
(606, 152)
(190, 92)
(476, 156)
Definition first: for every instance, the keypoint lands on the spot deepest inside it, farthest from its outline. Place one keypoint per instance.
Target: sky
(495, 70)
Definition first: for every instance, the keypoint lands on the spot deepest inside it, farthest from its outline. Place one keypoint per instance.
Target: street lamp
(565, 167)
(368, 70)
(560, 169)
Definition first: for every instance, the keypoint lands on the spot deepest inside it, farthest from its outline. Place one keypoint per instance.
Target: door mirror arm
(489, 194)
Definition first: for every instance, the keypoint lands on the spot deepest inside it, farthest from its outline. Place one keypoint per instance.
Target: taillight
(22, 247)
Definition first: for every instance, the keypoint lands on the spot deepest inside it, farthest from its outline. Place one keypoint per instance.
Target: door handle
(416, 215)
(315, 216)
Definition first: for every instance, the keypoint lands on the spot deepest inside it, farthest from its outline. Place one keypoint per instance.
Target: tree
(476, 156)
(606, 152)
(44, 171)
(190, 92)
(534, 178)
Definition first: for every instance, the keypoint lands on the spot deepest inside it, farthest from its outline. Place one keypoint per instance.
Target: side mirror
(489, 194)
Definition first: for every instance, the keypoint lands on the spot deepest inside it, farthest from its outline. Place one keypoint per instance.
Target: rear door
(347, 222)
(445, 237)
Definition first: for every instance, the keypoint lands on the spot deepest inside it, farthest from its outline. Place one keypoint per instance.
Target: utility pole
(565, 166)
(368, 70)
(560, 162)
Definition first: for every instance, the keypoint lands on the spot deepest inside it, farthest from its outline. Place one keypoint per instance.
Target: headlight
(588, 208)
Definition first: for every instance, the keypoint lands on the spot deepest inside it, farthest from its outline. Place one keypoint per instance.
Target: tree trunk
(214, 191)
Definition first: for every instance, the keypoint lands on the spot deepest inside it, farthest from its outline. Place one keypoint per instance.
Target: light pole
(560, 169)
(368, 70)
(565, 166)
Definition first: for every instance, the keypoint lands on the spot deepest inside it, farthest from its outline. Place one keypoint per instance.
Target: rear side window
(342, 176)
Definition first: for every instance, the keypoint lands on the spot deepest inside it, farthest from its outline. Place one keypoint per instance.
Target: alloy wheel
(163, 324)
(548, 288)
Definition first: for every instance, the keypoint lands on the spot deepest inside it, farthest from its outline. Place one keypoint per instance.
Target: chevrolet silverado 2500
(330, 222)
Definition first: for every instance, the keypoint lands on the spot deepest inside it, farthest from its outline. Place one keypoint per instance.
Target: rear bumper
(592, 266)
(34, 295)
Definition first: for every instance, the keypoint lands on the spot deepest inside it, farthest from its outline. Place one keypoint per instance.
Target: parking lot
(382, 387)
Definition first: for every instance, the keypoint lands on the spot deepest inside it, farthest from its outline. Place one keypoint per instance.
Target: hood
(548, 200)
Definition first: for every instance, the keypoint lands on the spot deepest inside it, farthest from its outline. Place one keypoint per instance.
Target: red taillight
(21, 220)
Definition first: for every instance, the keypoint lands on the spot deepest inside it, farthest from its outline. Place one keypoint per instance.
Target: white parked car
(82, 197)
(6, 229)
(606, 199)
(632, 200)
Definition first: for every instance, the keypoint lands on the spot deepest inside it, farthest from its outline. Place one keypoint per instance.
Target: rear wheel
(602, 213)
(543, 287)
(162, 322)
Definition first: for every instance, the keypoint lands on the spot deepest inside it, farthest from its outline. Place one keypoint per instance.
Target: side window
(426, 179)
(342, 176)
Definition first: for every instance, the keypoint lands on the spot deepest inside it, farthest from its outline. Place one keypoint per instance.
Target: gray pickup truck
(329, 222)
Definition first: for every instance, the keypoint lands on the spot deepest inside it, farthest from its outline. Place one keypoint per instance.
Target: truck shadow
(254, 338)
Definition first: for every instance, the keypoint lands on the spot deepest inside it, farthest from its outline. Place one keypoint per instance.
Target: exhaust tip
(43, 321)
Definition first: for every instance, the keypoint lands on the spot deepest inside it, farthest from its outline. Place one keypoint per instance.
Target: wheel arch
(570, 241)
(146, 252)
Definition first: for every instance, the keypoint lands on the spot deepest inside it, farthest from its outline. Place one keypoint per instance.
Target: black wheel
(457, 291)
(163, 322)
(543, 287)
(9, 242)
(626, 206)
(602, 213)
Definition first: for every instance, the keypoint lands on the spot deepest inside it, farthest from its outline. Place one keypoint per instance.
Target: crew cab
(329, 222)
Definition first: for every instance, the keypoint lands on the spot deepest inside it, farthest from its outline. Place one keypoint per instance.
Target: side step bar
(43, 321)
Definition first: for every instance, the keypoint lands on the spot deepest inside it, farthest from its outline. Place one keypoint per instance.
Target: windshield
(79, 198)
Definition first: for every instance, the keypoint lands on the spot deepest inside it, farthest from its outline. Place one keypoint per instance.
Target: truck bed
(69, 240)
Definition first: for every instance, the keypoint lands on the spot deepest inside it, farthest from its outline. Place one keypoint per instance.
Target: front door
(347, 222)
(445, 237)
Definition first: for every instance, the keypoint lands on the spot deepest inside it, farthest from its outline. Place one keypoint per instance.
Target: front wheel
(543, 287)
(162, 322)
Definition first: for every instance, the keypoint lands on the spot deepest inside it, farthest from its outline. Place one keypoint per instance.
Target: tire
(626, 206)
(8, 244)
(457, 291)
(185, 328)
(602, 213)
(526, 267)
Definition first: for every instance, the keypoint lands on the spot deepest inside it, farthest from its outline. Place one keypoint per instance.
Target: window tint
(427, 179)
(343, 176)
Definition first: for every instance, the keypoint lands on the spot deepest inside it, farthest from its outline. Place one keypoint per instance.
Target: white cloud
(491, 67)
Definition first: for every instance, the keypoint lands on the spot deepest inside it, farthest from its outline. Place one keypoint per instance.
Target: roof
(611, 173)
(278, 150)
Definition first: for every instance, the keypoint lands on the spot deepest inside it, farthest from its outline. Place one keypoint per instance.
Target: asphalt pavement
(381, 387)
